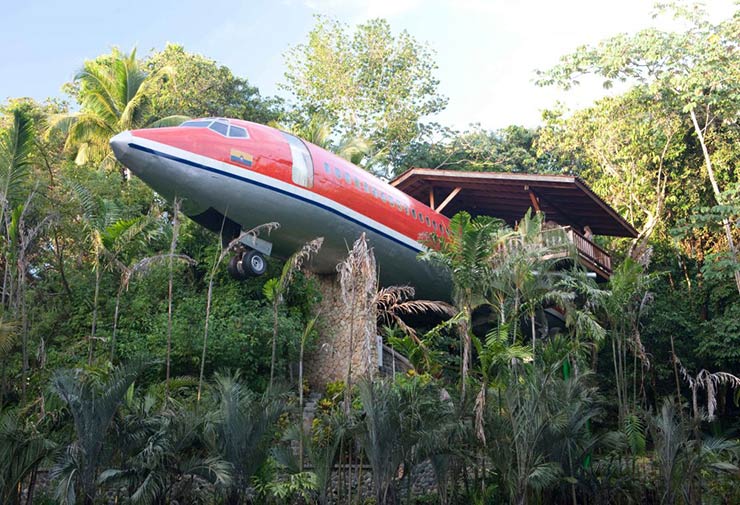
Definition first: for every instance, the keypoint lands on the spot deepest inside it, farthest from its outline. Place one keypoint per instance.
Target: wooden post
(448, 199)
(533, 198)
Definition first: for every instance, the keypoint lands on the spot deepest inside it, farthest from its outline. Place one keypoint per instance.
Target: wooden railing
(590, 254)
(593, 255)
(562, 239)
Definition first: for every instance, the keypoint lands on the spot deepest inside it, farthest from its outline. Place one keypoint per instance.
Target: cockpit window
(220, 127)
(197, 124)
(238, 132)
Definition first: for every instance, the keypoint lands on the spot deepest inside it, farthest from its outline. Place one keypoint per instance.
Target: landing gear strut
(247, 263)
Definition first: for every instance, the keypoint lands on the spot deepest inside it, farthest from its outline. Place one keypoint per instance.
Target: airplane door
(302, 172)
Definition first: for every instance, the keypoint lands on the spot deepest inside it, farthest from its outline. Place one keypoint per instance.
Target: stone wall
(423, 482)
(342, 338)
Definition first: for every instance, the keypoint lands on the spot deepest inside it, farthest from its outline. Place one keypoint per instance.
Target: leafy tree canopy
(196, 86)
(369, 83)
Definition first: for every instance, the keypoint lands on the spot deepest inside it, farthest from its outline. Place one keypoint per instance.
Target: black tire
(253, 264)
(233, 267)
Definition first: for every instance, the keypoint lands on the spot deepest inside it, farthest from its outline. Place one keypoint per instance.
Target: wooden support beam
(431, 197)
(448, 199)
(533, 198)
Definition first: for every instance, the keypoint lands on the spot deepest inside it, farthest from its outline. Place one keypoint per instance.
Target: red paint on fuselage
(333, 177)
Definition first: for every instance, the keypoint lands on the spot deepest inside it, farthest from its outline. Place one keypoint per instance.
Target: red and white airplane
(234, 174)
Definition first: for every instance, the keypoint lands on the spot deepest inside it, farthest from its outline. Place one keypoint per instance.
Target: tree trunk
(115, 327)
(173, 246)
(91, 344)
(275, 302)
(717, 196)
(205, 335)
(300, 404)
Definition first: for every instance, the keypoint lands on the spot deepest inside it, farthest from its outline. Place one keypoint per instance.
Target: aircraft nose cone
(119, 144)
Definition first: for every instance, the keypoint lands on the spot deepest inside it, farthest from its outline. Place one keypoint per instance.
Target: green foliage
(192, 85)
(243, 429)
(113, 91)
(22, 449)
(92, 400)
(511, 149)
(368, 83)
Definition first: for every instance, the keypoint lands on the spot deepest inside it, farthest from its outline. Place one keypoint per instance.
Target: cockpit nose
(119, 144)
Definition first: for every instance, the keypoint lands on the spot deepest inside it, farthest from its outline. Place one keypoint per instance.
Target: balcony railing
(590, 254)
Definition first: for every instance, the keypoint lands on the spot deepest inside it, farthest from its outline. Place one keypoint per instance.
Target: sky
(487, 51)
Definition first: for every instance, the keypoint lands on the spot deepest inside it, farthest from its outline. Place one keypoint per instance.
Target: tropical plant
(113, 91)
(683, 461)
(275, 289)
(242, 429)
(466, 253)
(22, 449)
(163, 456)
(92, 401)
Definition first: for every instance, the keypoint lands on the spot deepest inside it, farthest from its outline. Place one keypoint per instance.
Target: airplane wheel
(253, 264)
(233, 267)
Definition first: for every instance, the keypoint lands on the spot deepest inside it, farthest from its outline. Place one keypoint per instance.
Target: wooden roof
(565, 199)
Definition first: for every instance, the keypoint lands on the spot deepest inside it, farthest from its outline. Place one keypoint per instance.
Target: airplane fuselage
(253, 174)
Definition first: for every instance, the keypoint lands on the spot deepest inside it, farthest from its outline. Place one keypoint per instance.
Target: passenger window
(427, 218)
(347, 178)
(413, 213)
(421, 218)
(327, 168)
(434, 225)
(219, 127)
(357, 182)
(302, 164)
(337, 173)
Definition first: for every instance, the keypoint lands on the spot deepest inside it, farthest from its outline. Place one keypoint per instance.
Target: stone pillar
(343, 336)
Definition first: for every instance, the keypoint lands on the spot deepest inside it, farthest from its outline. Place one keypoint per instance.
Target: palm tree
(683, 462)
(242, 430)
(402, 422)
(16, 159)
(102, 220)
(92, 402)
(113, 92)
(22, 450)
(466, 254)
(318, 130)
(623, 308)
(163, 457)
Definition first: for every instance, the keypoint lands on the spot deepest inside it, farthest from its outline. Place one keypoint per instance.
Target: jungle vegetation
(133, 369)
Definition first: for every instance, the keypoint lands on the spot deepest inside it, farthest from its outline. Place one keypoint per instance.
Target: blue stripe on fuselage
(271, 188)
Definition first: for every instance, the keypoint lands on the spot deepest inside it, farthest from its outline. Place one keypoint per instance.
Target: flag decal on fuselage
(241, 157)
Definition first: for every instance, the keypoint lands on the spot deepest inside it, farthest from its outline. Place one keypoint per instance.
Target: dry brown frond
(359, 284)
(297, 260)
(709, 381)
(392, 301)
(143, 266)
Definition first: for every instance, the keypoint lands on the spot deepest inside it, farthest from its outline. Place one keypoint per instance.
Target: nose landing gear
(247, 263)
